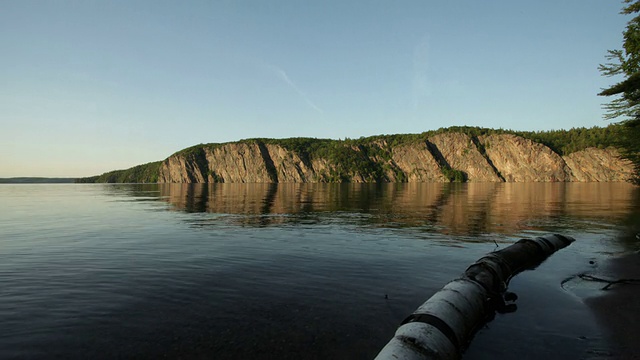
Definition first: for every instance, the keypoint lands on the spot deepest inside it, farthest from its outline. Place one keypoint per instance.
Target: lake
(289, 271)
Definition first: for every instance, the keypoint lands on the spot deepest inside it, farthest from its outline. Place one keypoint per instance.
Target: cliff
(417, 163)
(599, 165)
(460, 151)
(444, 157)
(517, 159)
(461, 154)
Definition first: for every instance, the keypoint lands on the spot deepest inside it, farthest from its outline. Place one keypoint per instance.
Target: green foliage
(87, 180)
(306, 148)
(36, 180)
(146, 173)
(371, 157)
(401, 176)
(353, 160)
(565, 142)
(216, 178)
(631, 146)
(198, 151)
(626, 62)
(381, 146)
(562, 142)
(454, 175)
(349, 157)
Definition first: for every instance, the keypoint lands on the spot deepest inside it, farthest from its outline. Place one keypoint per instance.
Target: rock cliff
(460, 151)
(517, 159)
(439, 158)
(418, 163)
(254, 162)
(600, 165)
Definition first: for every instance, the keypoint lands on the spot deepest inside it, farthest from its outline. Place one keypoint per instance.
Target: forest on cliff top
(562, 142)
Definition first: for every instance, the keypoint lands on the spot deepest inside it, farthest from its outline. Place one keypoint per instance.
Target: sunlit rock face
(180, 169)
(418, 163)
(521, 160)
(593, 164)
(231, 163)
(492, 158)
(238, 163)
(289, 167)
(461, 153)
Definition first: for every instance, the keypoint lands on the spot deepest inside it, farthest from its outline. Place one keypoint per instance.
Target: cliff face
(418, 163)
(521, 160)
(180, 169)
(289, 167)
(239, 163)
(594, 164)
(459, 151)
(490, 158)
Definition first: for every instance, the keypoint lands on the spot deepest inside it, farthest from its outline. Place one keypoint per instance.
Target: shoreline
(617, 309)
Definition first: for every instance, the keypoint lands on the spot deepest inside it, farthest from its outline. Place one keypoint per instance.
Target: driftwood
(444, 325)
(609, 283)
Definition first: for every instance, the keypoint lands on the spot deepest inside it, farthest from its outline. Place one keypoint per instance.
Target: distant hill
(36, 180)
(145, 173)
(460, 153)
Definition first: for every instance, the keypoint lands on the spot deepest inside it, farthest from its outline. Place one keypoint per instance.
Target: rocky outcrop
(460, 152)
(239, 163)
(417, 163)
(235, 163)
(181, 169)
(521, 160)
(597, 165)
(490, 158)
(288, 165)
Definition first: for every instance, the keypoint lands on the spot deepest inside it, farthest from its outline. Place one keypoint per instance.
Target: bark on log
(444, 325)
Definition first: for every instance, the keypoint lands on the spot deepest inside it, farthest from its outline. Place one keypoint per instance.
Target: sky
(92, 86)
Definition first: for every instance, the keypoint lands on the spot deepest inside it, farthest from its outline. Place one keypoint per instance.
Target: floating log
(444, 325)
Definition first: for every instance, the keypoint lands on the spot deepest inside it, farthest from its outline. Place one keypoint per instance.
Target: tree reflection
(471, 209)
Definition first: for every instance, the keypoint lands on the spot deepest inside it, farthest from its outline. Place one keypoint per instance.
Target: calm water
(230, 271)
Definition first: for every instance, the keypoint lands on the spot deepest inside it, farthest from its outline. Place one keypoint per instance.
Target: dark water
(231, 271)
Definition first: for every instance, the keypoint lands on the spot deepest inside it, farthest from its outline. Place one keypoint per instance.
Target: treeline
(36, 180)
(145, 173)
(370, 156)
(362, 156)
(563, 142)
(348, 156)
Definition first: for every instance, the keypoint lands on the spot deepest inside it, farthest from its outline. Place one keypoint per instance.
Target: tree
(626, 62)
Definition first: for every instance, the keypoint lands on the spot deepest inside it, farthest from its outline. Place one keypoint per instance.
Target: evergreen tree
(626, 62)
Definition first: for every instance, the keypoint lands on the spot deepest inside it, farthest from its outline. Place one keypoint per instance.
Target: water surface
(283, 271)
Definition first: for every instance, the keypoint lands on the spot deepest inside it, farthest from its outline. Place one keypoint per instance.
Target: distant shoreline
(37, 180)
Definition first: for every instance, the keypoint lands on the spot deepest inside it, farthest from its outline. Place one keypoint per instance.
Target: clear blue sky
(92, 86)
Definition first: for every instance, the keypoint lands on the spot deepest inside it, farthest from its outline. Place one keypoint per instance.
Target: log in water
(443, 326)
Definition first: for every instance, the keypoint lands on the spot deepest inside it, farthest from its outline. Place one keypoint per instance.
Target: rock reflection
(467, 209)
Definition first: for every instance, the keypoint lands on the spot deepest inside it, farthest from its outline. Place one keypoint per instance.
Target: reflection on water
(288, 271)
(458, 209)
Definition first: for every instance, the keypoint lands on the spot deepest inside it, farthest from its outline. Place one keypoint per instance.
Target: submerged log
(443, 326)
